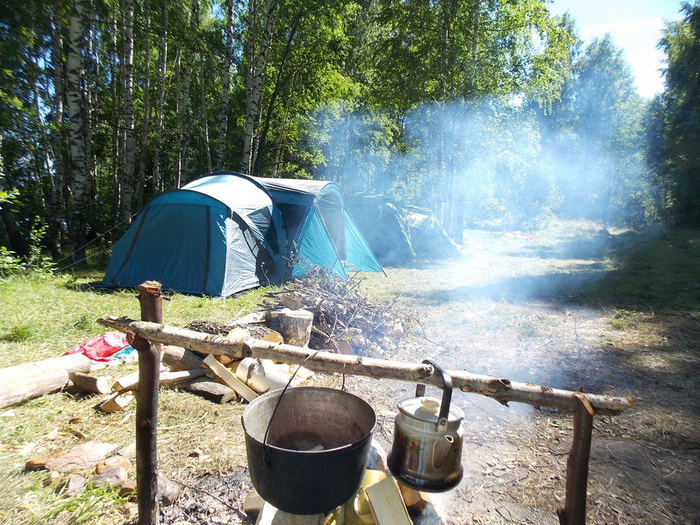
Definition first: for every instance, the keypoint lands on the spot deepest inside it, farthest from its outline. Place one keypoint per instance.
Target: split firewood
(31, 380)
(177, 358)
(269, 515)
(115, 402)
(253, 503)
(211, 390)
(112, 463)
(116, 477)
(168, 491)
(82, 457)
(91, 384)
(229, 378)
(293, 325)
(386, 503)
(171, 379)
(126, 382)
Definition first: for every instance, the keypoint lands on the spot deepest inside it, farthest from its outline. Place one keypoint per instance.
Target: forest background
(491, 112)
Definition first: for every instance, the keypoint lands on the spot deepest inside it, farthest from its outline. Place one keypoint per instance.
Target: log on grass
(211, 390)
(91, 384)
(177, 358)
(500, 389)
(30, 380)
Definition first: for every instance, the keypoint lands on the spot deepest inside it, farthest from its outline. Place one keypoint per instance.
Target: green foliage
(19, 332)
(677, 121)
(10, 263)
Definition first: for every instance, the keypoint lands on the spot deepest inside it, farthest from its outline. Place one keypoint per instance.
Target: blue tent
(319, 230)
(217, 235)
(228, 232)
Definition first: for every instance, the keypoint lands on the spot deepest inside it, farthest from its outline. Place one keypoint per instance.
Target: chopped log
(293, 325)
(168, 491)
(91, 384)
(116, 477)
(112, 463)
(386, 503)
(31, 380)
(500, 389)
(211, 390)
(115, 402)
(127, 382)
(177, 358)
(253, 503)
(270, 515)
(170, 379)
(229, 378)
(82, 457)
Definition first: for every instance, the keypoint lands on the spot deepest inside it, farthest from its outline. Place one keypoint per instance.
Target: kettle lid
(426, 408)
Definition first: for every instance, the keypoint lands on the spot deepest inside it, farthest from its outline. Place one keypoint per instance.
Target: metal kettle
(427, 450)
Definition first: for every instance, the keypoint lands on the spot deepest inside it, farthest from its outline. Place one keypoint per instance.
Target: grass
(42, 317)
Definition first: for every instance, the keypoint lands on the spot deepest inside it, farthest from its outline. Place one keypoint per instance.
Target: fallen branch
(500, 389)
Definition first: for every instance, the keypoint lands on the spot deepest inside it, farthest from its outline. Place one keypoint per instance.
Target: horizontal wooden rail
(500, 389)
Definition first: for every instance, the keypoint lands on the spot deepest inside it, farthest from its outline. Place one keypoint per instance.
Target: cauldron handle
(266, 453)
(446, 394)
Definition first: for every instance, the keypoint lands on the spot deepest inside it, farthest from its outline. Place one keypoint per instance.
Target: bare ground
(511, 309)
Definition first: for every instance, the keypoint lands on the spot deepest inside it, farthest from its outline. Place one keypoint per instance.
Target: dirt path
(509, 309)
(506, 310)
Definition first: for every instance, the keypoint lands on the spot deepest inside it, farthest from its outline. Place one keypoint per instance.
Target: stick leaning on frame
(500, 389)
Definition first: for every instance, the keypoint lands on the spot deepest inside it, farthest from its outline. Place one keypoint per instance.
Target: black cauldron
(316, 448)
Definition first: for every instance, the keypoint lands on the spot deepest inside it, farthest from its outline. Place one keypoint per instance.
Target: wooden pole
(147, 407)
(500, 389)
(574, 511)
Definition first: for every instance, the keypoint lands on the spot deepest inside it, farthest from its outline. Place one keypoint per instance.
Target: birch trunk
(259, 165)
(223, 110)
(58, 141)
(160, 104)
(141, 174)
(205, 123)
(256, 71)
(116, 182)
(129, 127)
(499, 388)
(183, 150)
(59, 151)
(76, 130)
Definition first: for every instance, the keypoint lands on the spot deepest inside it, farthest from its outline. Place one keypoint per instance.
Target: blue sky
(635, 26)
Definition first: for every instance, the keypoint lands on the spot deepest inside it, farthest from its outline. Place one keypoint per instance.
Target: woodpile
(342, 315)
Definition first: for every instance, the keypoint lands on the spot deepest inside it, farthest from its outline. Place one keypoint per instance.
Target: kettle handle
(446, 394)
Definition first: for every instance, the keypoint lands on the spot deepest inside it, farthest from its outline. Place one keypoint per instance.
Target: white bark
(76, 127)
(129, 126)
(160, 104)
(141, 174)
(223, 110)
(257, 61)
(183, 150)
(498, 388)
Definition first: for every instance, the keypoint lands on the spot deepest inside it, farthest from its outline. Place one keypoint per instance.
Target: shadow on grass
(556, 287)
(660, 274)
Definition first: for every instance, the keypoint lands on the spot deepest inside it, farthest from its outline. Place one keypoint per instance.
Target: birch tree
(129, 126)
(76, 129)
(225, 88)
(160, 104)
(141, 175)
(256, 57)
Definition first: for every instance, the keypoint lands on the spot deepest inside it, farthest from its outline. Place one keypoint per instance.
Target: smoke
(501, 163)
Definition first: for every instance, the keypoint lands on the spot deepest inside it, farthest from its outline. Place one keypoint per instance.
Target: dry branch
(500, 389)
